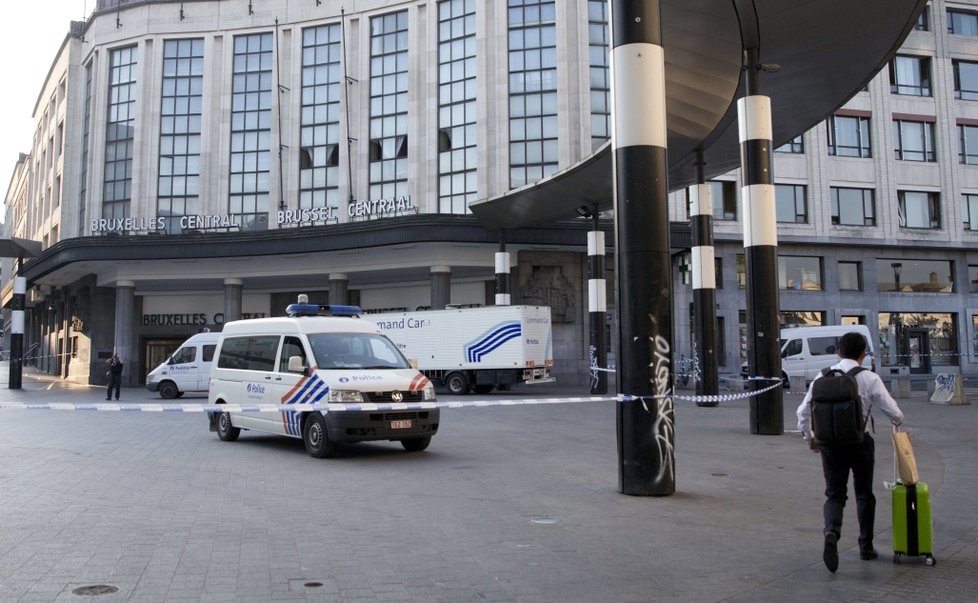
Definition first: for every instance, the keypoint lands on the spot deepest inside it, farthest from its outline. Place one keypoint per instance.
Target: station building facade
(196, 162)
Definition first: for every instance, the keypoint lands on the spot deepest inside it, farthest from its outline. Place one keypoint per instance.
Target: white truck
(475, 349)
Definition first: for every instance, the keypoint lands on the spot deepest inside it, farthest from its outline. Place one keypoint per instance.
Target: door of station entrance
(916, 347)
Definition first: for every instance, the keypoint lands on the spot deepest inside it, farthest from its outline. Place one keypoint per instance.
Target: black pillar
(17, 329)
(761, 250)
(646, 438)
(597, 308)
(704, 284)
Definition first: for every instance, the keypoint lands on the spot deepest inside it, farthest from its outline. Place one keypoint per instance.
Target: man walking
(839, 458)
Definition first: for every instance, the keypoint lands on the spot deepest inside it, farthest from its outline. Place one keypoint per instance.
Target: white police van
(186, 370)
(318, 354)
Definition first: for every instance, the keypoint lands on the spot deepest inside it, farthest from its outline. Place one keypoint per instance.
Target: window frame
(921, 73)
(933, 209)
(862, 134)
(835, 209)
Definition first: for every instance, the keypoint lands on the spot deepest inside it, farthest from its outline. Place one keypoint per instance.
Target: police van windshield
(355, 351)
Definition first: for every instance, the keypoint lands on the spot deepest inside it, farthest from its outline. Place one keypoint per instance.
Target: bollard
(900, 387)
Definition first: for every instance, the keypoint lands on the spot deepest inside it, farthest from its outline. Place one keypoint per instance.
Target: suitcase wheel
(931, 561)
(896, 557)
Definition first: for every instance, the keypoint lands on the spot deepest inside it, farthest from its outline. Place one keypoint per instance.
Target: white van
(318, 354)
(186, 370)
(805, 351)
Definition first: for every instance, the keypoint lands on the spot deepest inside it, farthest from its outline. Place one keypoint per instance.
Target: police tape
(361, 407)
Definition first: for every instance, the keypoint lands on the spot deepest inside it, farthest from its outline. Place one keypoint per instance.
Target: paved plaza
(510, 503)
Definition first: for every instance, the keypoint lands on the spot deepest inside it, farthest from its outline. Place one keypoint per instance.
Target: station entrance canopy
(827, 50)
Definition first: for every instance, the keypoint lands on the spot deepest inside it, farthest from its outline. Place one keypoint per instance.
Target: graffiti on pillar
(663, 427)
(592, 363)
(549, 287)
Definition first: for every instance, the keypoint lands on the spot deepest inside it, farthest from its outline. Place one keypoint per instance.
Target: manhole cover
(95, 590)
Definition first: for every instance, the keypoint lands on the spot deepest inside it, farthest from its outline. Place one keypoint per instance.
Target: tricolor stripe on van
(491, 339)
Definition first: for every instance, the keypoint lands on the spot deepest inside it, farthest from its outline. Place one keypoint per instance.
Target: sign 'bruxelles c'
(378, 208)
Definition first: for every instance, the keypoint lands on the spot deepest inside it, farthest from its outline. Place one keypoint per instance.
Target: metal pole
(17, 328)
(597, 307)
(761, 250)
(646, 438)
(502, 272)
(704, 283)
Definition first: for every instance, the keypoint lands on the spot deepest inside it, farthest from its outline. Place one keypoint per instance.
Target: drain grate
(95, 590)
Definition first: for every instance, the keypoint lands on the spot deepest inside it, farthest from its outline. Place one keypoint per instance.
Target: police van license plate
(405, 424)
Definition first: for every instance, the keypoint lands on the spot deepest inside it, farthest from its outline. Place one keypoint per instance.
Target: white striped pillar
(17, 305)
(597, 305)
(502, 276)
(704, 285)
(760, 250)
(646, 460)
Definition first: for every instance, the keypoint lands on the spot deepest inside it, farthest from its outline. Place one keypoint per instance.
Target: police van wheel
(457, 384)
(225, 430)
(168, 390)
(315, 437)
(416, 444)
(785, 382)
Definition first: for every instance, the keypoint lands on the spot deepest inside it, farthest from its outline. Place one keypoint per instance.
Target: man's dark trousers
(837, 461)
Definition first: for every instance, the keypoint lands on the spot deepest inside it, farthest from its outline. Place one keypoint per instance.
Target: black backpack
(837, 410)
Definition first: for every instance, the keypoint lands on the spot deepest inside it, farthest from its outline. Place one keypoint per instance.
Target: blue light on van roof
(322, 310)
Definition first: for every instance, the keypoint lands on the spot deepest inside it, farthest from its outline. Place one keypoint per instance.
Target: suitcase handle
(891, 485)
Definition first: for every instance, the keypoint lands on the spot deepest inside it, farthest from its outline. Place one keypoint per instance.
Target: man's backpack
(837, 410)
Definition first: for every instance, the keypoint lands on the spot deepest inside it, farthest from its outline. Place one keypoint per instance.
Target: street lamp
(897, 269)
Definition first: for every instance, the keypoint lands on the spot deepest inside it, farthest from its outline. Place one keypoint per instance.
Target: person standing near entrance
(839, 458)
(115, 376)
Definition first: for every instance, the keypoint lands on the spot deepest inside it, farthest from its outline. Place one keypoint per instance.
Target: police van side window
(292, 346)
(184, 356)
(249, 353)
(823, 346)
(208, 354)
(793, 348)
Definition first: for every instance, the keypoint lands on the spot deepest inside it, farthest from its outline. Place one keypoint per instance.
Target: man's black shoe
(868, 554)
(830, 555)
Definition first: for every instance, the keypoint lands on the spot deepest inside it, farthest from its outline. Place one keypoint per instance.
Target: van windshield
(355, 351)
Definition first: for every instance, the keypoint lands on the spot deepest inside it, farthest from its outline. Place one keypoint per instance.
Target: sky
(31, 33)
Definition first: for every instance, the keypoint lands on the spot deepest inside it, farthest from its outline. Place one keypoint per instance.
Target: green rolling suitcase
(912, 523)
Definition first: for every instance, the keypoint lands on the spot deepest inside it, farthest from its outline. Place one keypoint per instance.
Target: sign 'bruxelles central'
(357, 210)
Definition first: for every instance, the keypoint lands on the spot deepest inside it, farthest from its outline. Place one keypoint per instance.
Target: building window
(853, 206)
(923, 20)
(919, 209)
(931, 276)
(457, 107)
(533, 149)
(598, 48)
(119, 127)
(848, 136)
(741, 271)
(796, 145)
(970, 211)
(799, 273)
(919, 340)
(724, 195)
(718, 272)
(910, 75)
(388, 105)
(968, 141)
(850, 276)
(962, 23)
(319, 148)
(251, 126)
(914, 140)
(86, 131)
(972, 279)
(965, 79)
(801, 318)
(791, 203)
(178, 187)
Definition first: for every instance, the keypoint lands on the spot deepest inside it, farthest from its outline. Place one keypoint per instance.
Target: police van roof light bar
(294, 310)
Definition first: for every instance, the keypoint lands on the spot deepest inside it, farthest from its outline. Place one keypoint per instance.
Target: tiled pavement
(508, 504)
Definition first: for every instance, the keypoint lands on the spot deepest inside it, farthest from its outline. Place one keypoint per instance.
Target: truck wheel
(785, 382)
(416, 444)
(225, 430)
(457, 383)
(168, 390)
(483, 389)
(315, 437)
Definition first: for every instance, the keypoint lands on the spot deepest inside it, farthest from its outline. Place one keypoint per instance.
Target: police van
(186, 370)
(318, 354)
